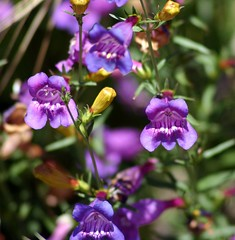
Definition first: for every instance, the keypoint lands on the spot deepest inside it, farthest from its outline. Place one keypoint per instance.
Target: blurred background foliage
(200, 57)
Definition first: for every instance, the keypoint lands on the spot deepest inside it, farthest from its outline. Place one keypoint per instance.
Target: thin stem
(148, 34)
(190, 166)
(80, 22)
(99, 182)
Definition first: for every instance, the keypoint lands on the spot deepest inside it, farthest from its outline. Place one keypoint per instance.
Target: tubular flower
(47, 102)
(110, 49)
(95, 222)
(145, 212)
(129, 180)
(67, 64)
(168, 124)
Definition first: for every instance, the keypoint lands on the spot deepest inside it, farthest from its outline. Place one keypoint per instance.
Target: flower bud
(98, 76)
(79, 6)
(169, 11)
(55, 177)
(103, 100)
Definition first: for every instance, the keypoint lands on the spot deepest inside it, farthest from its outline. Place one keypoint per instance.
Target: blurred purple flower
(63, 225)
(6, 10)
(145, 212)
(126, 87)
(168, 124)
(47, 102)
(67, 65)
(96, 9)
(110, 49)
(95, 222)
(119, 3)
(24, 95)
(118, 144)
(129, 180)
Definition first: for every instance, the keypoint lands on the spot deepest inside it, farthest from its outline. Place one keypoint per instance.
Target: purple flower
(129, 180)
(119, 3)
(118, 144)
(47, 102)
(110, 47)
(64, 224)
(145, 212)
(168, 124)
(96, 9)
(67, 65)
(126, 87)
(6, 10)
(95, 222)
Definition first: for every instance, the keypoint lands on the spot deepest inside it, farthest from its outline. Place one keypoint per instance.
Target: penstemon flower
(95, 222)
(168, 124)
(47, 103)
(143, 213)
(110, 49)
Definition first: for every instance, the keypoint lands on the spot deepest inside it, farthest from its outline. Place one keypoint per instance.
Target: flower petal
(149, 138)
(96, 33)
(155, 107)
(168, 145)
(37, 82)
(58, 83)
(94, 62)
(124, 64)
(103, 207)
(36, 116)
(80, 210)
(188, 137)
(117, 234)
(180, 106)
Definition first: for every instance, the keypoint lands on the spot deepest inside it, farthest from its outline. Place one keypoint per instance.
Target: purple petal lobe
(36, 117)
(180, 106)
(188, 137)
(155, 107)
(36, 82)
(80, 210)
(149, 138)
(58, 83)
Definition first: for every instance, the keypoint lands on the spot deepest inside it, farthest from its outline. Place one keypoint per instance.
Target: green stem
(99, 182)
(191, 169)
(148, 34)
(80, 23)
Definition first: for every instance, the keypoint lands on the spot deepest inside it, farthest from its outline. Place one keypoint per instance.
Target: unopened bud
(55, 177)
(98, 76)
(103, 100)
(169, 11)
(79, 6)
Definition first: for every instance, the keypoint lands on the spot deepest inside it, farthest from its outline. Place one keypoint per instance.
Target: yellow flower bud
(169, 11)
(98, 76)
(103, 100)
(79, 6)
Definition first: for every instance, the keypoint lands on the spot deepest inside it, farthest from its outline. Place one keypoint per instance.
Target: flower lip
(96, 225)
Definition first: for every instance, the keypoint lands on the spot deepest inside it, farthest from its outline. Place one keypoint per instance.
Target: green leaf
(218, 149)
(161, 64)
(198, 23)
(3, 62)
(187, 43)
(60, 144)
(220, 232)
(215, 180)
